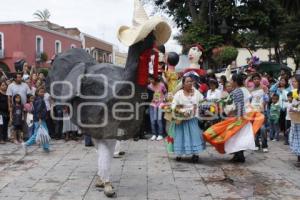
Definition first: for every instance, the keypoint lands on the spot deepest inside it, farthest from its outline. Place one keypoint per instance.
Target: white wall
(263, 55)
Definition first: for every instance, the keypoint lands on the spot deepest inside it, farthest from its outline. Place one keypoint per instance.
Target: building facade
(35, 44)
(120, 59)
(101, 50)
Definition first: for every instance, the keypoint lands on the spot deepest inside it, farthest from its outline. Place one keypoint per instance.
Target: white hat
(142, 26)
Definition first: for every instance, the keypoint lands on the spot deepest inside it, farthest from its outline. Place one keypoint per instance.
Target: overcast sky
(100, 18)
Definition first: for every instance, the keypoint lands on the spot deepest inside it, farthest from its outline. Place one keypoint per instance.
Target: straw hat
(142, 26)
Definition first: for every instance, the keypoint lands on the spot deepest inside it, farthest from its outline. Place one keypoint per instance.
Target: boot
(99, 182)
(67, 136)
(234, 158)
(238, 157)
(195, 158)
(108, 189)
(178, 158)
(241, 157)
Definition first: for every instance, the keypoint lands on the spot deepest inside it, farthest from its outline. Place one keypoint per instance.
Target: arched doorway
(4, 67)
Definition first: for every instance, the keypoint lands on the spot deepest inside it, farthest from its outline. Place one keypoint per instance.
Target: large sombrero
(142, 26)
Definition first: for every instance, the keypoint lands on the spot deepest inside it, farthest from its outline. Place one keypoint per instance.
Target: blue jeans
(31, 140)
(262, 134)
(156, 119)
(88, 140)
(274, 130)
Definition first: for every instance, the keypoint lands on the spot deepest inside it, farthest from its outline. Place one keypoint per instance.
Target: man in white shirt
(18, 87)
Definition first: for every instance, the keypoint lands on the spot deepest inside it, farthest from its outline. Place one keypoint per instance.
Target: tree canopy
(249, 24)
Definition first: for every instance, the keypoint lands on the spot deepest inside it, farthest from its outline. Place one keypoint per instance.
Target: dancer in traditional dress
(236, 134)
(294, 135)
(188, 138)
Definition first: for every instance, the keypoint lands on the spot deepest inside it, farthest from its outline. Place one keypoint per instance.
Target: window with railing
(95, 54)
(1, 41)
(57, 47)
(104, 57)
(1, 45)
(110, 58)
(39, 45)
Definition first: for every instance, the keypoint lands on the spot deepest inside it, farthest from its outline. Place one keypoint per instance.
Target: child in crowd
(17, 116)
(274, 118)
(213, 93)
(28, 108)
(156, 118)
(39, 120)
(258, 104)
(288, 106)
(68, 127)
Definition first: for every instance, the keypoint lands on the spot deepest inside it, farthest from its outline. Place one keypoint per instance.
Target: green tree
(42, 15)
(292, 6)
(251, 24)
(225, 55)
(291, 40)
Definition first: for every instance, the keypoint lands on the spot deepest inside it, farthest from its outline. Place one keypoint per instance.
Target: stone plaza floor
(146, 171)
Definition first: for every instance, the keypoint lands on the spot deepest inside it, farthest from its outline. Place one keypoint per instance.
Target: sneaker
(24, 148)
(265, 150)
(159, 138)
(108, 189)
(117, 155)
(273, 140)
(99, 182)
(153, 138)
(256, 149)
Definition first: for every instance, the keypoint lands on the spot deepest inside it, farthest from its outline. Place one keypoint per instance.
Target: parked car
(272, 68)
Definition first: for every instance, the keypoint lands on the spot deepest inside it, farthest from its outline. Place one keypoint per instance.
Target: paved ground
(146, 172)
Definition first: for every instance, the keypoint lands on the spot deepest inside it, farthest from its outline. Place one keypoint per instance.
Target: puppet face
(194, 54)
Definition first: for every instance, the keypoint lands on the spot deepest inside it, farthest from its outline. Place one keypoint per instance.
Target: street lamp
(224, 28)
(211, 17)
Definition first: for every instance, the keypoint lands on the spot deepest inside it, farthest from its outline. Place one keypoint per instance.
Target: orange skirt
(219, 133)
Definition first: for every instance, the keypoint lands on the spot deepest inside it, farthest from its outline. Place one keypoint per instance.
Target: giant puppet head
(194, 56)
(106, 100)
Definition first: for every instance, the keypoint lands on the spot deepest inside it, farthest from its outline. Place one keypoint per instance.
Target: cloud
(100, 18)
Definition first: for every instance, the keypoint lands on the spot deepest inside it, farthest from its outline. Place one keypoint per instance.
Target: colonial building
(101, 50)
(36, 44)
(120, 58)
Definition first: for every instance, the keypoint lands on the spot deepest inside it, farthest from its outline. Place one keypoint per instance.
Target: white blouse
(187, 101)
(216, 94)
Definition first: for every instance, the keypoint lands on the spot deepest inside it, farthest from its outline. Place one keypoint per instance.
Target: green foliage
(197, 33)
(44, 71)
(225, 55)
(291, 40)
(44, 57)
(252, 24)
(292, 6)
